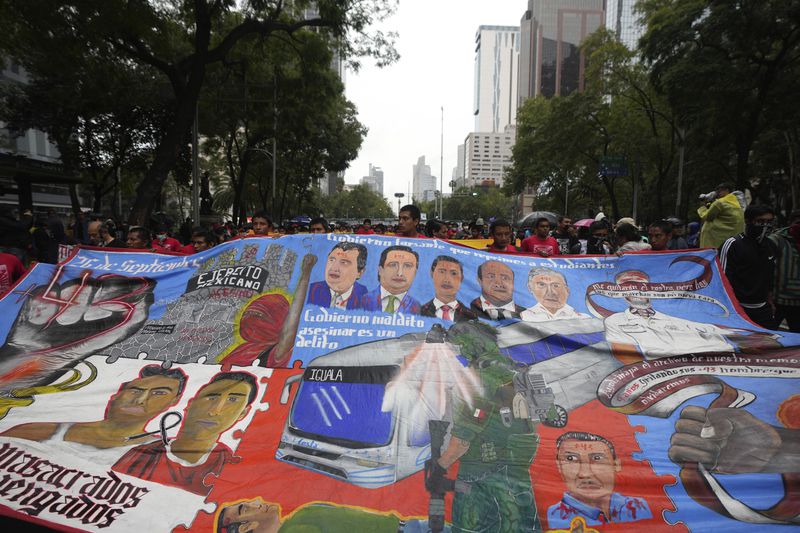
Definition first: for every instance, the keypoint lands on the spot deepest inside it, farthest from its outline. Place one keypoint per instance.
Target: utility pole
(441, 169)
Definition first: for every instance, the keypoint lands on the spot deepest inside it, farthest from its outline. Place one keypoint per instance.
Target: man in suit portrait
(396, 271)
(447, 273)
(496, 301)
(341, 290)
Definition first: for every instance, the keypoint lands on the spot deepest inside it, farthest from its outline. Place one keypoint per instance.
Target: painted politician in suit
(396, 271)
(341, 289)
(496, 301)
(447, 273)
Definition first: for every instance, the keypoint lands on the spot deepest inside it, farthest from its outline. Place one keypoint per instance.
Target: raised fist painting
(61, 323)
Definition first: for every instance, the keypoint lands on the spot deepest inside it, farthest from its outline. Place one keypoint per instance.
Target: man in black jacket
(748, 260)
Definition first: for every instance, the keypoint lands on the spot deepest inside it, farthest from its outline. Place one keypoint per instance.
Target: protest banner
(370, 383)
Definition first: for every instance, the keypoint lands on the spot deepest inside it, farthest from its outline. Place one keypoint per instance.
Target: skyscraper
(621, 19)
(551, 31)
(496, 67)
(374, 180)
(424, 183)
(487, 155)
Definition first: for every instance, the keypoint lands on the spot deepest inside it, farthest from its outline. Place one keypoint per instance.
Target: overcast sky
(401, 104)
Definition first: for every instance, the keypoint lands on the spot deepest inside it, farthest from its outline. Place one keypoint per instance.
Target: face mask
(759, 231)
(161, 236)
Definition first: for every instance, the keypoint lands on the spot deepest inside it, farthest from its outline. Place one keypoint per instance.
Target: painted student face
(255, 516)
(589, 470)
(550, 290)
(398, 271)
(447, 277)
(143, 398)
(497, 283)
(341, 270)
(216, 408)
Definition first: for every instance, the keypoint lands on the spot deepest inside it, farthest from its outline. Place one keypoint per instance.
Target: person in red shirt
(541, 243)
(503, 237)
(164, 243)
(11, 269)
(365, 228)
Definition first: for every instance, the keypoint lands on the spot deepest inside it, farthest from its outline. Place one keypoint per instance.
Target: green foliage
(177, 44)
(360, 202)
(730, 70)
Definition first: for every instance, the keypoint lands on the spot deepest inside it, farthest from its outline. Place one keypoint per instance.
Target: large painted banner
(378, 384)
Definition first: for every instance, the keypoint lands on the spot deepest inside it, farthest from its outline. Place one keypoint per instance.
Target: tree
(289, 93)
(727, 68)
(181, 40)
(359, 202)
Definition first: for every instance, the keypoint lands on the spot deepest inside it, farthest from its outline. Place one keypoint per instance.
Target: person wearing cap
(723, 218)
(628, 238)
(641, 330)
(677, 241)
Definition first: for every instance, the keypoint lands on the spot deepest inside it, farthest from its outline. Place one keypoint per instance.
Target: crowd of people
(760, 260)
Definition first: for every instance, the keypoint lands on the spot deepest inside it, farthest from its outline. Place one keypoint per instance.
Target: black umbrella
(530, 220)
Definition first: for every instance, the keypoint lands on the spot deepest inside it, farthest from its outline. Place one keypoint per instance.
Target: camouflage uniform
(493, 490)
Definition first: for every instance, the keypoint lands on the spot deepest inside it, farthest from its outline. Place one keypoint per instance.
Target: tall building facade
(625, 24)
(374, 180)
(459, 169)
(487, 155)
(31, 173)
(496, 68)
(551, 32)
(424, 184)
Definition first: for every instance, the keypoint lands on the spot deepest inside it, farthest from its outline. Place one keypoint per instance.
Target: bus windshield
(332, 404)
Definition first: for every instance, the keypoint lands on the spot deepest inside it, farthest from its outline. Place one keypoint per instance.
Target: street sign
(613, 166)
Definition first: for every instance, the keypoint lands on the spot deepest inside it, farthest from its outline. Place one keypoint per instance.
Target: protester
(693, 235)
(165, 243)
(108, 235)
(677, 241)
(598, 239)
(139, 238)
(723, 218)
(408, 220)
(502, 235)
(201, 240)
(540, 242)
(365, 228)
(629, 239)
(787, 273)
(262, 224)
(567, 242)
(11, 269)
(660, 234)
(748, 261)
(436, 229)
(319, 225)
